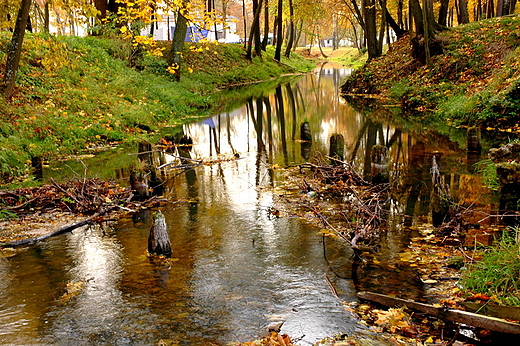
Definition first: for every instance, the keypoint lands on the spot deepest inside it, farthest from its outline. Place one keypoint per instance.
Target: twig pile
(85, 197)
(344, 202)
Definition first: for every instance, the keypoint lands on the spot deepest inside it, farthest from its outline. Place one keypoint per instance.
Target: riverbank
(75, 94)
(474, 82)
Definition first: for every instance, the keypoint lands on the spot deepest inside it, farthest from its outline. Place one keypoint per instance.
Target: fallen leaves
(273, 339)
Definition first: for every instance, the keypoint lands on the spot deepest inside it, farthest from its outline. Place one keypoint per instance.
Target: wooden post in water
(139, 185)
(337, 147)
(440, 196)
(159, 240)
(379, 164)
(305, 132)
(144, 153)
(474, 138)
(306, 138)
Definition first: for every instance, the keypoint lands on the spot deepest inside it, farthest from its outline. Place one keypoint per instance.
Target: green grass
(497, 274)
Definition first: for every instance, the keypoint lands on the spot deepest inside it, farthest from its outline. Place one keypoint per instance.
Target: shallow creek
(235, 269)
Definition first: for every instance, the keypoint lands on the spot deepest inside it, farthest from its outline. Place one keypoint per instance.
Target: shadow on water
(235, 269)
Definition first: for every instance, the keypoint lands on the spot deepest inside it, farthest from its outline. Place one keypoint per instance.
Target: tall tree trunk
(275, 31)
(245, 22)
(290, 36)
(500, 8)
(369, 15)
(279, 33)
(508, 7)
(463, 16)
(265, 40)
(398, 30)
(400, 22)
(102, 7)
(416, 13)
(46, 17)
(177, 47)
(254, 34)
(14, 50)
(382, 29)
(443, 12)
(490, 9)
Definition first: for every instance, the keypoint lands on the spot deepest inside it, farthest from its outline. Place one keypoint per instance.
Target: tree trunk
(15, 49)
(416, 13)
(254, 33)
(245, 22)
(102, 7)
(265, 40)
(443, 12)
(290, 36)
(175, 56)
(463, 16)
(279, 33)
(382, 28)
(398, 30)
(369, 14)
(490, 9)
(159, 240)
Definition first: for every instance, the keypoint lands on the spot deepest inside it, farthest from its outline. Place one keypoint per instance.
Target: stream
(235, 269)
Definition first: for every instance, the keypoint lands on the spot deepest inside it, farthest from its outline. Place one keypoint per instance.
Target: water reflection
(234, 268)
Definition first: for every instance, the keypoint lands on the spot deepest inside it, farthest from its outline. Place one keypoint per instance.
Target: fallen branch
(60, 230)
(453, 315)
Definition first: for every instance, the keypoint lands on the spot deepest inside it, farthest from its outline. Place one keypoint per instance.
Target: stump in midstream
(144, 153)
(306, 138)
(379, 164)
(139, 184)
(305, 132)
(337, 147)
(159, 240)
(473, 140)
(440, 199)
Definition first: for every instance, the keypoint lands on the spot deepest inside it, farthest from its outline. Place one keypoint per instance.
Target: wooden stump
(144, 150)
(379, 164)
(337, 147)
(139, 185)
(305, 132)
(473, 139)
(159, 240)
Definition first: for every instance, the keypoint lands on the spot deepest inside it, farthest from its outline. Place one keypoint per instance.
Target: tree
(177, 47)
(14, 50)
(254, 34)
(279, 32)
(290, 30)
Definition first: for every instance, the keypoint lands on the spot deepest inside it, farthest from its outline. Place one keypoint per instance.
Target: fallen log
(453, 315)
(60, 230)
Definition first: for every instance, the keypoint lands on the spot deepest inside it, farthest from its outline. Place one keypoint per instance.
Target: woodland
(449, 61)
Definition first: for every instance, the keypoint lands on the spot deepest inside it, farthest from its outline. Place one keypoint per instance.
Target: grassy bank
(474, 81)
(78, 93)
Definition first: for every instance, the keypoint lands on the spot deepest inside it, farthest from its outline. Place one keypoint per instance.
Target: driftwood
(453, 315)
(60, 230)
